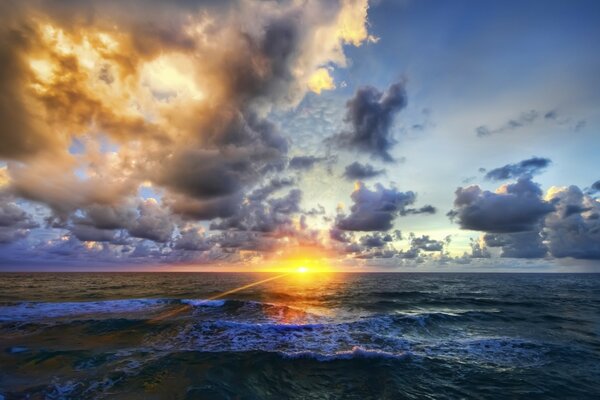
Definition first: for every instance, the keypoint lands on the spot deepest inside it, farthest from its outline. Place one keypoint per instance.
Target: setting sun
(302, 269)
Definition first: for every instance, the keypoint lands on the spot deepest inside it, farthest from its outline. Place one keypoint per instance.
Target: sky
(381, 135)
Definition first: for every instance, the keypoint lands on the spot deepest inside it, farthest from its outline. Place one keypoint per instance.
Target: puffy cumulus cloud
(370, 114)
(153, 222)
(595, 188)
(358, 171)
(515, 207)
(573, 229)
(525, 168)
(374, 210)
(565, 222)
(101, 99)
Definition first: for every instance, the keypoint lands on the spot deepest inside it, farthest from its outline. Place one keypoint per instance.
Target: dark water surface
(339, 336)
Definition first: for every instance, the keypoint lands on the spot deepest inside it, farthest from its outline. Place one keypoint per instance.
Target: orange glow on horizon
(299, 260)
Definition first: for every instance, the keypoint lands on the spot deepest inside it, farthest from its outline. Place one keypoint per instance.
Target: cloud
(425, 243)
(524, 119)
(321, 80)
(478, 250)
(428, 209)
(261, 214)
(169, 96)
(192, 239)
(576, 125)
(515, 207)
(525, 168)
(15, 223)
(528, 118)
(154, 222)
(379, 239)
(304, 162)
(517, 245)
(358, 171)
(516, 219)
(370, 114)
(573, 229)
(595, 188)
(374, 210)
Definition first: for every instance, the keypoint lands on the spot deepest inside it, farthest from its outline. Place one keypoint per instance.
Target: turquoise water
(338, 336)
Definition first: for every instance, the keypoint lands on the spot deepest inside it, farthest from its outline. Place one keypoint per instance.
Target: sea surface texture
(301, 336)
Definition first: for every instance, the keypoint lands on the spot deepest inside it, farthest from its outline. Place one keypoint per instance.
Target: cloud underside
(524, 223)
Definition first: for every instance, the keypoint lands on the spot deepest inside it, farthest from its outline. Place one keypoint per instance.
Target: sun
(302, 269)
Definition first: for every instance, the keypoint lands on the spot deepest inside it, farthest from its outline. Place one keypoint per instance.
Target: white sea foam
(203, 303)
(355, 352)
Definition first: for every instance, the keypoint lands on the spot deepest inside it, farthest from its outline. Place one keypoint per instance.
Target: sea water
(301, 336)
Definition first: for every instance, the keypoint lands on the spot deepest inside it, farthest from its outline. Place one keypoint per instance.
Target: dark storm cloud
(358, 171)
(15, 223)
(203, 209)
(525, 168)
(87, 233)
(263, 215)
(153, 223)
(192, 240)
(523, 225)
(573, 234)
(144, 219)
(340, 236)
(516, 207)
(370, 114)
(517, 245)
(374, 210)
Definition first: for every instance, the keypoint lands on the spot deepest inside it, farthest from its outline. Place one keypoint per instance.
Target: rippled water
(338, 336)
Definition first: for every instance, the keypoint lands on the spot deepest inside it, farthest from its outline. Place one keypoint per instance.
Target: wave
(203, 303)
(27, 311)
(355, 352)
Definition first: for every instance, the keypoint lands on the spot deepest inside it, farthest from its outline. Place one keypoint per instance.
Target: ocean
(300, 336)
